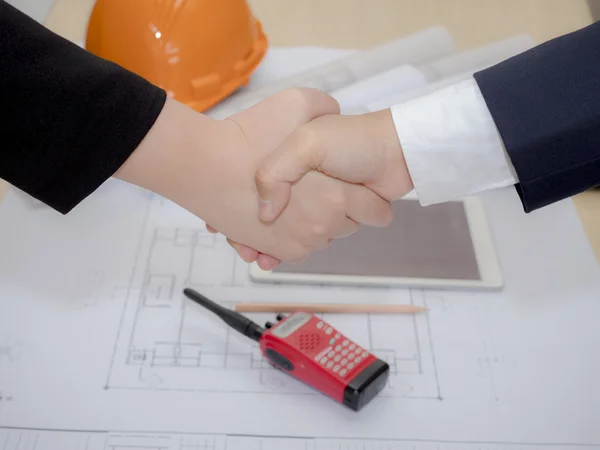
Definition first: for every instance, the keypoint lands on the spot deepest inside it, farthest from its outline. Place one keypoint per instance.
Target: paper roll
(455, 68)
(417, 48)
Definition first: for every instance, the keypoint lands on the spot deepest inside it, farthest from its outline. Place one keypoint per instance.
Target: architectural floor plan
(166, 342)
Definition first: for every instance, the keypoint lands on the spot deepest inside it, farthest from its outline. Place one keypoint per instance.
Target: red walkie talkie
(312, 351)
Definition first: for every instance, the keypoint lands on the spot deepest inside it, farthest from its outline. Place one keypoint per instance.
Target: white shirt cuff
(451, 144)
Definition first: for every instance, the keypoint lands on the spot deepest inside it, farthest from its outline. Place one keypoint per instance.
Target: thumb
(350, 148)
(278, 171)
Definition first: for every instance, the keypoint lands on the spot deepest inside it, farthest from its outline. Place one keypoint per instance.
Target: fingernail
(265, 208)
(248, 254)
(267, 262)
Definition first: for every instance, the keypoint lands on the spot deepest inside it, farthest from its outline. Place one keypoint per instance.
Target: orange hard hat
(198, 51)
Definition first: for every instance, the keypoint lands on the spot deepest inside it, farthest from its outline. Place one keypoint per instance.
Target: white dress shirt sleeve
(451, 144)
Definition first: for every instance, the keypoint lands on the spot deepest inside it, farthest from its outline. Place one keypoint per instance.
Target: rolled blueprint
(483, 56)
(402, 96)
(382, 85)
(446, 71)
(415, 49)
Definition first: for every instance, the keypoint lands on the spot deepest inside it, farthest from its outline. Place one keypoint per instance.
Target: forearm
(182, 145)
(545, 104)
(532, 121)
(69, 119)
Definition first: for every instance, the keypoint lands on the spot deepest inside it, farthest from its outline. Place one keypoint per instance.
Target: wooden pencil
(328, 308)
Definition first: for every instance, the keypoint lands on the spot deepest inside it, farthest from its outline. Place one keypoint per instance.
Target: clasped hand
(316, 175)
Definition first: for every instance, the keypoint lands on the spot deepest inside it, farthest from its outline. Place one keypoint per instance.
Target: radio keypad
(345, 356)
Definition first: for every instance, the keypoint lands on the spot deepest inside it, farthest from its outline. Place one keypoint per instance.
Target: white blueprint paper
(95, 336)
(34, 439)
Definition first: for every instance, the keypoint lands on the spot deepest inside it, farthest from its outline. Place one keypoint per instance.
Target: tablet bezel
(485, 253)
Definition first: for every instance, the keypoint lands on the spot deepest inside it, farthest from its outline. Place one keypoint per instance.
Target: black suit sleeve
(68, 120)
(545, 103)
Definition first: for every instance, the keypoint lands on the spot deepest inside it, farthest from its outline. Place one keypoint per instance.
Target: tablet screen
(421, 242)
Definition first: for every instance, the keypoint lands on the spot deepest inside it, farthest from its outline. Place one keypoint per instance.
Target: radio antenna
(235, 320)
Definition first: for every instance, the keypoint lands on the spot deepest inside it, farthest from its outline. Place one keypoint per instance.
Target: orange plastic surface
(199, 51)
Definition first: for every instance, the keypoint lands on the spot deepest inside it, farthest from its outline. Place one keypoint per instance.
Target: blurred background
(362, 23)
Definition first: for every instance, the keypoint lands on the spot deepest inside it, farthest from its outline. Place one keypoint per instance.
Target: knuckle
(320, 229)
(337, 201)
(264, 177)
(297, 253)
(307, 98)
(308, 143)
(299, 96)
(308, 136)
(385, 216)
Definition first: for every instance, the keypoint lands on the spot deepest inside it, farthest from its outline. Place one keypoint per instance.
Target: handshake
(281, 179)
(318, 175)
